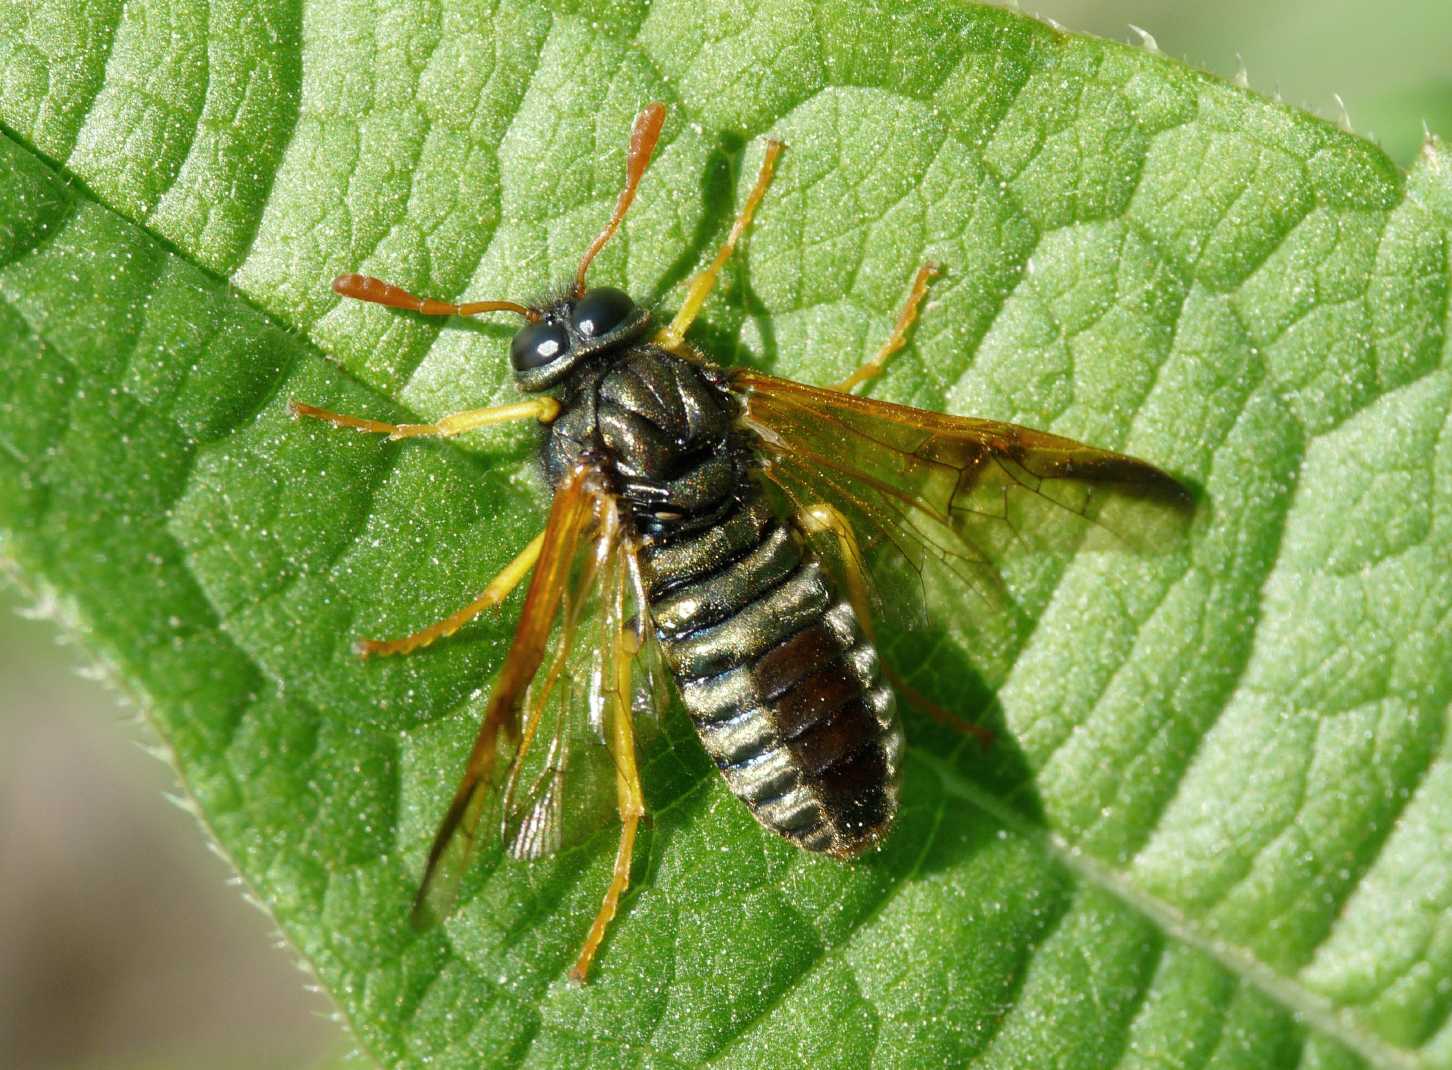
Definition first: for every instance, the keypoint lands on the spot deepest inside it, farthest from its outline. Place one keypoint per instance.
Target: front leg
(543, 409)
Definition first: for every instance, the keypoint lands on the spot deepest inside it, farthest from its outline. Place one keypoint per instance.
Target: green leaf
(1215, 828)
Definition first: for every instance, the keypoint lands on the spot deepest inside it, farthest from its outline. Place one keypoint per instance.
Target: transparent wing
(964, 493)
(562, 784)
(539, 771)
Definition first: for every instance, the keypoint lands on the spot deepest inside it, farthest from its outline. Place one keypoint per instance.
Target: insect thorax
(661, 429)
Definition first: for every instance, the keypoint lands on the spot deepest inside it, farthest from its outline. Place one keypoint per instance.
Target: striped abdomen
(783, 688)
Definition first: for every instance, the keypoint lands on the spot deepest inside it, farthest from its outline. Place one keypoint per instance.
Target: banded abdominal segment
(783, 687)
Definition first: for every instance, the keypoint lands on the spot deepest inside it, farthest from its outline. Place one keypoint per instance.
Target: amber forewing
(540, 774)
(962, 493)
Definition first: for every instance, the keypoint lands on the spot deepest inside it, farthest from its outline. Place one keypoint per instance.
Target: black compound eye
(601, 310)
(538, 344)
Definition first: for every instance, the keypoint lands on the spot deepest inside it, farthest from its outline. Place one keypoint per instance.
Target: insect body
(708, 519)
(769, 658)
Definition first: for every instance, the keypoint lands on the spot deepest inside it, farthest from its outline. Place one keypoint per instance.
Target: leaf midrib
(1239, 962)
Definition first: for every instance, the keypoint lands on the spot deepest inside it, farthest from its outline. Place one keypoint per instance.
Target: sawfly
(715, 528)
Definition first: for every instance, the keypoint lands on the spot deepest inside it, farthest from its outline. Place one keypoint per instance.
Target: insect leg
(873, 368)
(543, 409)
(498, 590)
(822, 517)
(629, 796)
(454, 843)
(671, 337)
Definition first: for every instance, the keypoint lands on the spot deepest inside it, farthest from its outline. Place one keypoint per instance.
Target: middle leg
(497, 591)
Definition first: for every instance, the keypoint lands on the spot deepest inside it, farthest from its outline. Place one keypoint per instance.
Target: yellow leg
(873, 368)
(619, 881)
(543, 409)
(822, 517)
(701, 286)
(498, 590)
(629, 798)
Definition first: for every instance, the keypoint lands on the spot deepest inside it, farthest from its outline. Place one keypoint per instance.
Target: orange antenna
(367, 288)
(643, 137)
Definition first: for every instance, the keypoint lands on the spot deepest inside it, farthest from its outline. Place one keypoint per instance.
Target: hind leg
(824, 518)
(630, 798)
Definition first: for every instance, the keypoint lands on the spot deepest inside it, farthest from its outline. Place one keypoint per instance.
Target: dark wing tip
(1147, 508)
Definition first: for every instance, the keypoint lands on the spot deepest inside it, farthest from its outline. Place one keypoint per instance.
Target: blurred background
(124, 946)
(1390, 62)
